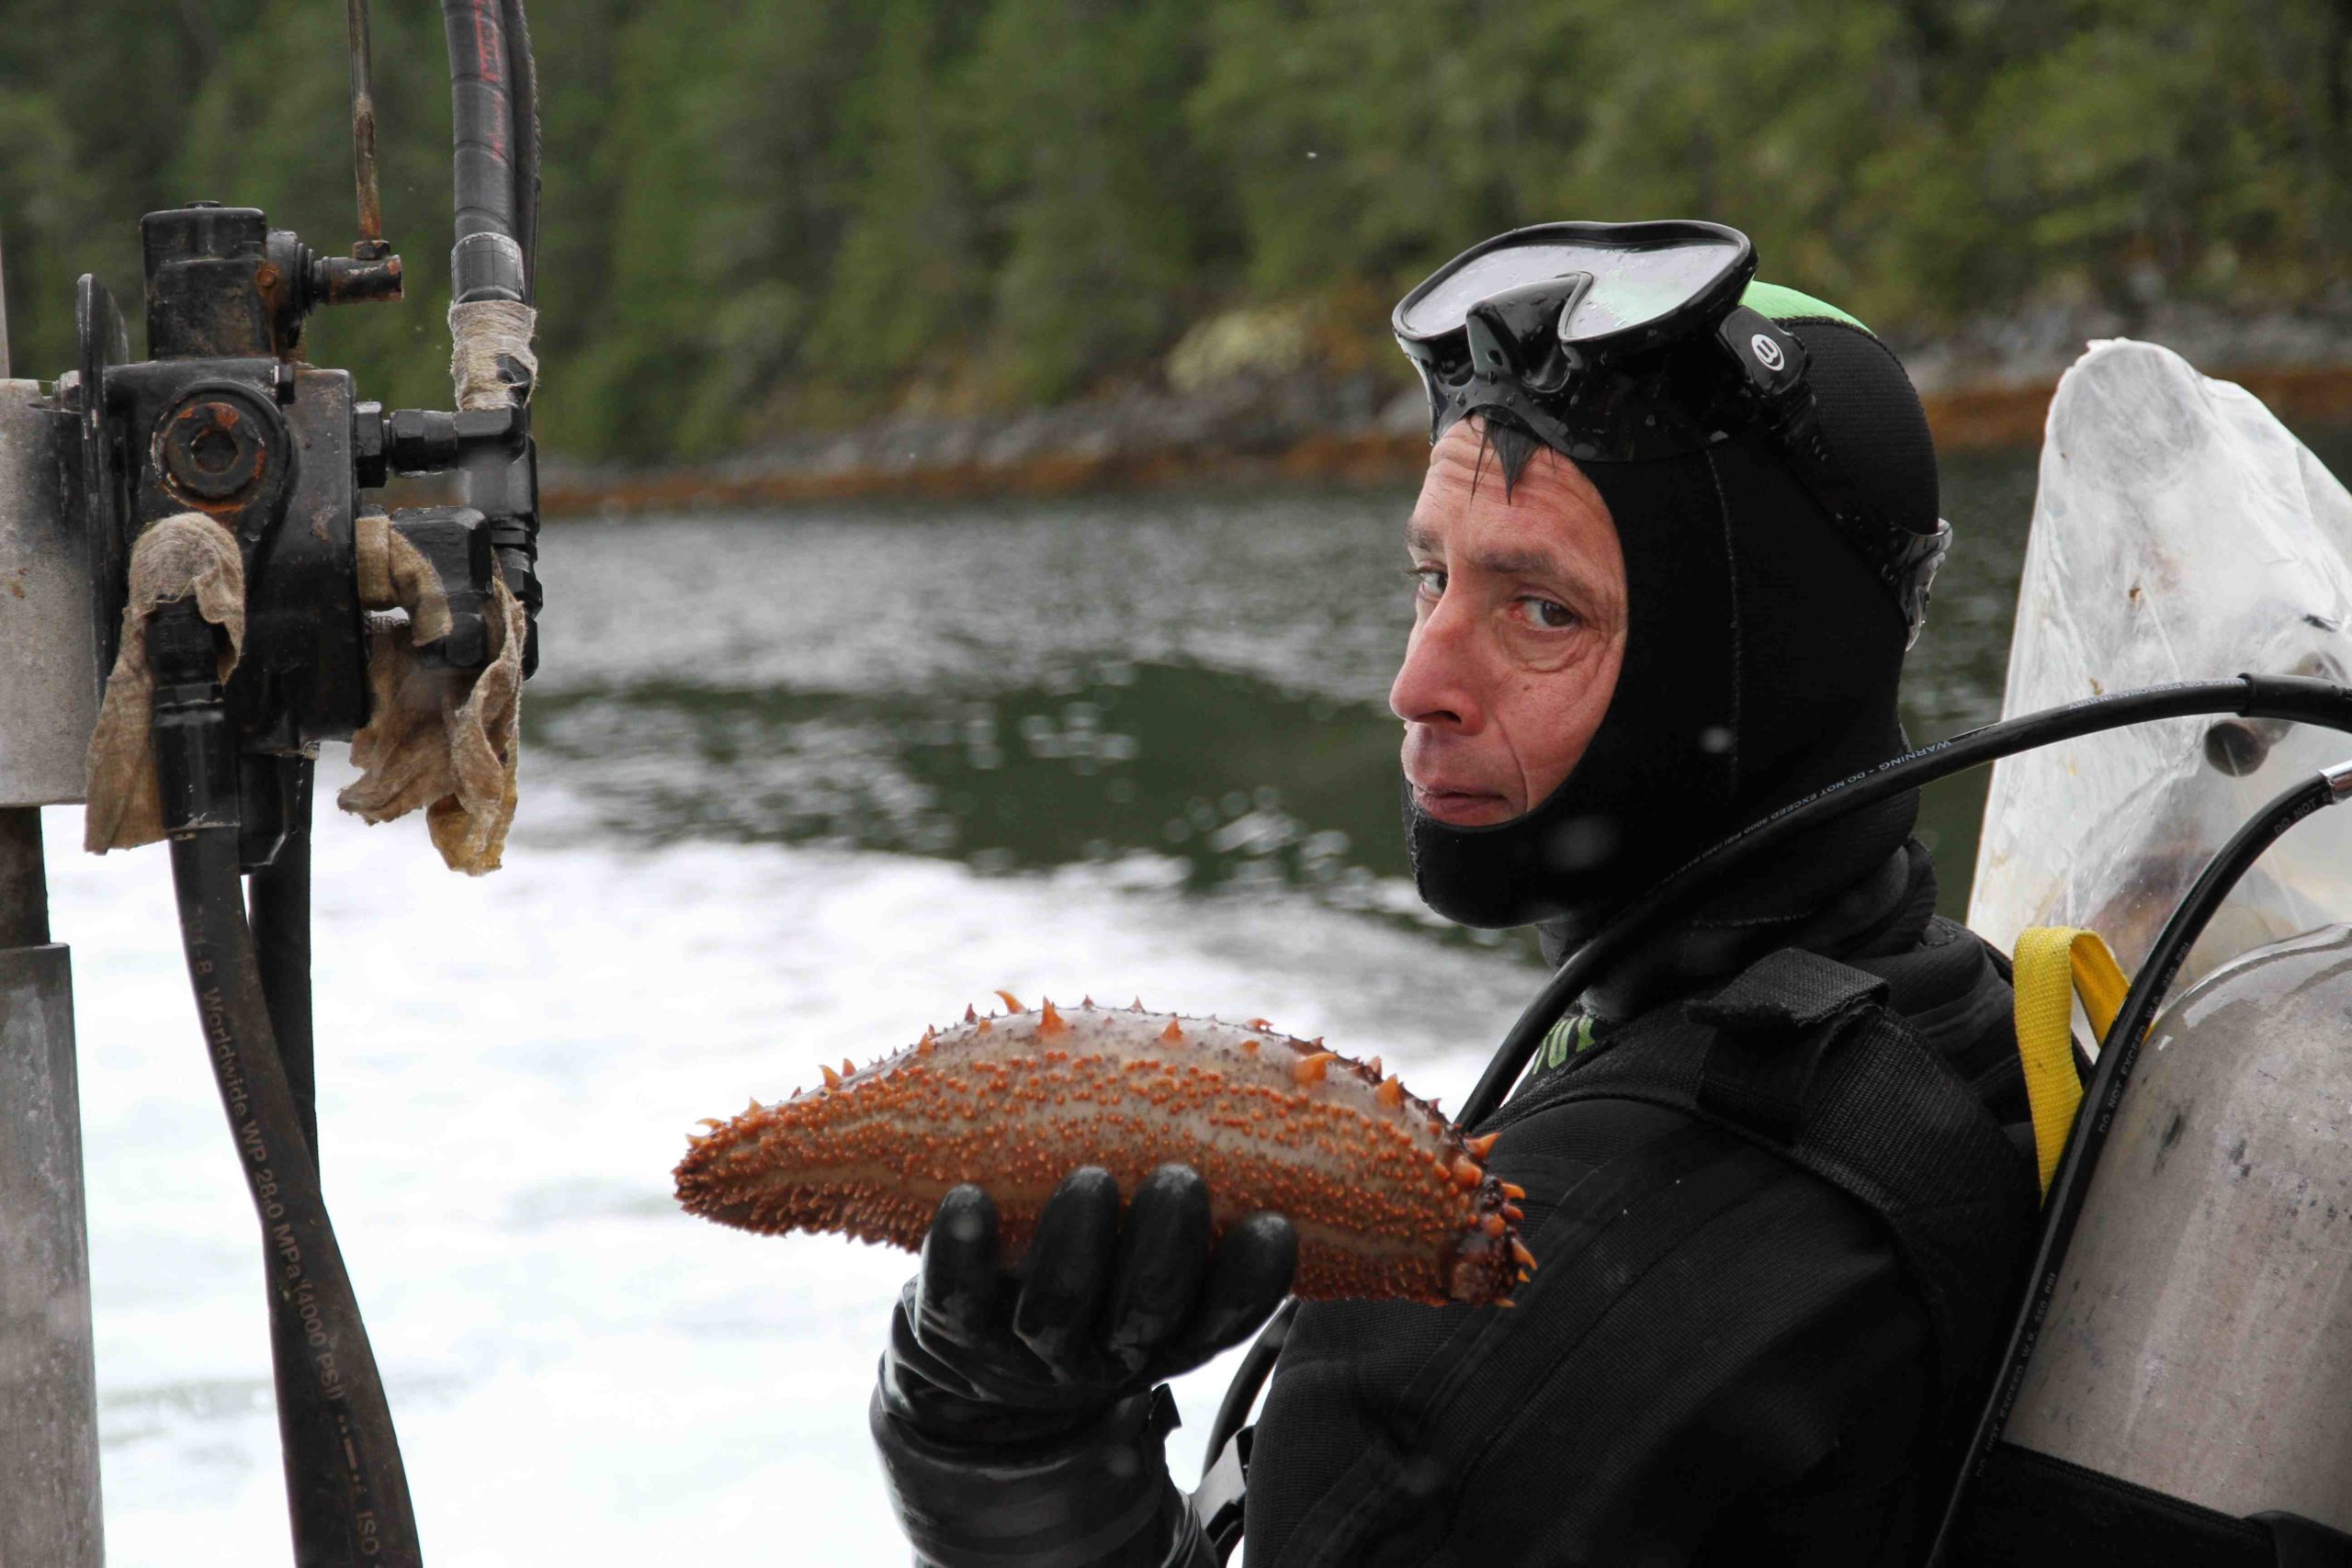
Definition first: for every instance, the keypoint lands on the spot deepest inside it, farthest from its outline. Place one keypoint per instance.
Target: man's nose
(1437, 684)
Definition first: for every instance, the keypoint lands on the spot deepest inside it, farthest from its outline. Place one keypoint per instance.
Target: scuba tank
(2196, 1343)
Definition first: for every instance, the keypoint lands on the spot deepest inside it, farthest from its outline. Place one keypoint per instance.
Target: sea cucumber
(1388, 1198)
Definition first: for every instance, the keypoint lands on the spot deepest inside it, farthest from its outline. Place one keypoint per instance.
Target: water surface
(1193, 688)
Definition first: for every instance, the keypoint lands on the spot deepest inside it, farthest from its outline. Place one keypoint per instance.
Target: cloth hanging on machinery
(445, 739)
(185, 556)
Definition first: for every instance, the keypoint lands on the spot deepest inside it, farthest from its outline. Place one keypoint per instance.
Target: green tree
(768, 215)
(906, 280)
(1103, 210)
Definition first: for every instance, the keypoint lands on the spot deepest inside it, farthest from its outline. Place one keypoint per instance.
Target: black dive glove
(1017, 1415)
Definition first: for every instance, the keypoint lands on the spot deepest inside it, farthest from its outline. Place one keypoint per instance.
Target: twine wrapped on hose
(490, 355)
(185, 556)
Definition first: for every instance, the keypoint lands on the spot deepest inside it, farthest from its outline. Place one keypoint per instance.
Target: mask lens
(1634, 284)
(1444, 308)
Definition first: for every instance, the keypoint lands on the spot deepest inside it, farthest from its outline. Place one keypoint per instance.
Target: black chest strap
(1799, 1054)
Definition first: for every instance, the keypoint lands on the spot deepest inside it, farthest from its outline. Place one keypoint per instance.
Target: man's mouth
(1462, 808)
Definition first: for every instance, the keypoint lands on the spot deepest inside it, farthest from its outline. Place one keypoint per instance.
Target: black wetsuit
(1734, 1349)
(1721, 1358)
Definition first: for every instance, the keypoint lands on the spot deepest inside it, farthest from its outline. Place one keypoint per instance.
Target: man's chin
(1462, 808)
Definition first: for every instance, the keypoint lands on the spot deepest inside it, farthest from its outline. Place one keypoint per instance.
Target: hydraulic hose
(488, 261)
(2118, 1053)
(345, 1487)
(278, 902)
(2294, 698)
(494, 269)
(525, 88)
(278, 899)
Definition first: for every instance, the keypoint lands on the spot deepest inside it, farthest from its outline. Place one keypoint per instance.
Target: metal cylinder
(49, 1436)
(2200, 1342)
(49, 1400)
(49, 679)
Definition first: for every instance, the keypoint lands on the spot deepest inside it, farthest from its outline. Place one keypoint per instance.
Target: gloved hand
(1095, 1311)
(1017, 1418)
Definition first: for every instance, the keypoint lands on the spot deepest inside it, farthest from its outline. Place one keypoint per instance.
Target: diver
(1676, 536)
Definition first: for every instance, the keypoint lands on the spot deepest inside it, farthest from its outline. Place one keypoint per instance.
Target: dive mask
(1621, 343)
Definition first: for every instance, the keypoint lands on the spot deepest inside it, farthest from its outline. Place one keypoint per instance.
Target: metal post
(48, 1412)
(49, 1430)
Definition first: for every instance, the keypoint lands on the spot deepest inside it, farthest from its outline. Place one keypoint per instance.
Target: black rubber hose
(2268, 696)
(487, 262)
(278, 896)
(523, 72)
(2118, 1053)
(1257, 1365)
(277, 903)
(482, 117)
(349, 1495)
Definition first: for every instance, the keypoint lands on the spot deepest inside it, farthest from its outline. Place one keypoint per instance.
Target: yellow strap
(2053, 964)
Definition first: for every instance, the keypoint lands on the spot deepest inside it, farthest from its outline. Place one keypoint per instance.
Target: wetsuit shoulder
(1717, 1345)
(1952, 987)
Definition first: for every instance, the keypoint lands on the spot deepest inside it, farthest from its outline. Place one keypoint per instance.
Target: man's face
(1518, 632)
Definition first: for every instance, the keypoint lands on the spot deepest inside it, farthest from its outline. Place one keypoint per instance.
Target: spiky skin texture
(1387, 1198)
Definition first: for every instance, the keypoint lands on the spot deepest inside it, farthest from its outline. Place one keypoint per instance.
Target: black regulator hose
(2118, 1053)
(2294, 698)
(346, 1487)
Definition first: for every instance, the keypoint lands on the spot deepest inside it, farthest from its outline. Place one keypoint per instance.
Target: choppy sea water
(508, 1068)
(794, 787)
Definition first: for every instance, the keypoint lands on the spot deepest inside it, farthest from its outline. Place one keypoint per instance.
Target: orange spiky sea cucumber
(1388, 1198)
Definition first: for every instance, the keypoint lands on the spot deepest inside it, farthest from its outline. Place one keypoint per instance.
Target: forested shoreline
(765, 220)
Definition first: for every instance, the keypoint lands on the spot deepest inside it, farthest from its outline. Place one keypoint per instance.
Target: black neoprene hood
(1761, 659)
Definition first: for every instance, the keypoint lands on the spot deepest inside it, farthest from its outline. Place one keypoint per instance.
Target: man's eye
(1549, 614)
(1429, 582)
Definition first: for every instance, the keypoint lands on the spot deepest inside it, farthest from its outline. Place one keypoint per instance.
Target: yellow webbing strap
(2053, 964)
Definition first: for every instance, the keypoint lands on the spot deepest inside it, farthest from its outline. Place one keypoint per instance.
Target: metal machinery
(226, 418)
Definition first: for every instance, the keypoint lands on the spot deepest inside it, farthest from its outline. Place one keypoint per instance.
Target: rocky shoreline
(1985, 387)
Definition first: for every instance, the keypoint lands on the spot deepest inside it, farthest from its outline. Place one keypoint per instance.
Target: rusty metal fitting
(211, 452)
(355, 279)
